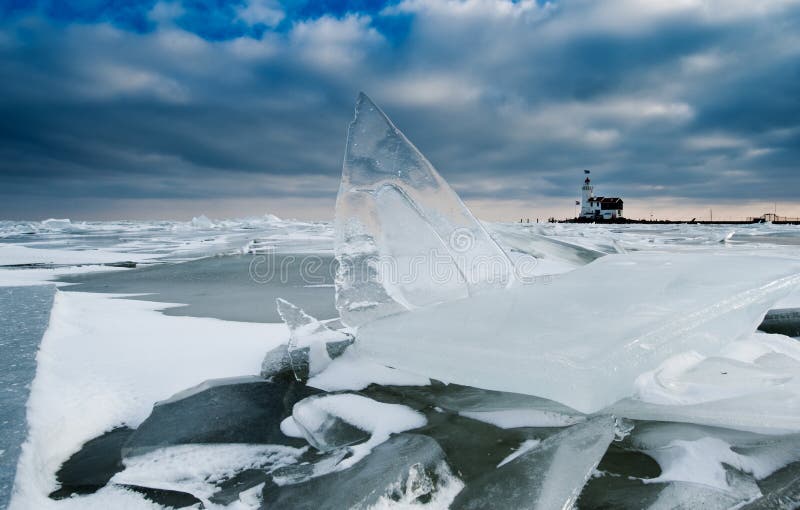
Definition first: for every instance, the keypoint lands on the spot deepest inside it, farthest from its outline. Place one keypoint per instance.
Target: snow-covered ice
(655, 323)
(104, 362)
(317, 414)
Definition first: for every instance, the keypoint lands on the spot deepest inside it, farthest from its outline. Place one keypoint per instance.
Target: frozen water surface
(24, 314)
(225, 287)
(660, 316)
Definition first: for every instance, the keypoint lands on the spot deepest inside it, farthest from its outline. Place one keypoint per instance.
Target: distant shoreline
(674, 222)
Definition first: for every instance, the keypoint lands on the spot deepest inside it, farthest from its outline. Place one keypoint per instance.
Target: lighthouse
(587, 193)
(598, 208)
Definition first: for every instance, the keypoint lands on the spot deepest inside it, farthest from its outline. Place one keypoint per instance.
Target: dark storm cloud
(212, 100)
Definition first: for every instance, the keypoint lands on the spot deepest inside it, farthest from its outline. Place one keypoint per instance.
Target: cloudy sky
(169, 109)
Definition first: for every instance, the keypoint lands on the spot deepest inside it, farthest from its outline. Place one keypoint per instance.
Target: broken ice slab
(685, 495)
(550, 475)
(235, 410)
(276, 361)
(406, 469)
(330, 421)
(322, 429)
(773, 412)
(501, 409)
(617, 481)
(312, 345)
(201, 469)
(715, 467)
(473, 447)
(785, 321)
(311, 465)
(583, 339)
(780, 491)
(753, 384)
(404, 239)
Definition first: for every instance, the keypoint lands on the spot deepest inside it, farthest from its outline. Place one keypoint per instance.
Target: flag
(577, 202)
(586, 171)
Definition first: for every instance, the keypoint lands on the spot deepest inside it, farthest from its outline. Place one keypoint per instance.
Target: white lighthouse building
(592, 207)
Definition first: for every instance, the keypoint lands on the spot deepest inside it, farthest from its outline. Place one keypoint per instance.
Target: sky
(113, 109)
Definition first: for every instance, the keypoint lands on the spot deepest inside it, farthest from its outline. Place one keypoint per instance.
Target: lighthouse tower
(587, 193)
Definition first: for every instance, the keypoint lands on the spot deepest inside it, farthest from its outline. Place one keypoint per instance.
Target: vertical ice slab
(404, 239)
(583, 339)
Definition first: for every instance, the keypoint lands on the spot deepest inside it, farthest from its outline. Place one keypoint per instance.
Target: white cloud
(715, 142)
(267, 12)
(165, 12)
(429, 89)
(484, 10)
(115, 80)
(335, 44)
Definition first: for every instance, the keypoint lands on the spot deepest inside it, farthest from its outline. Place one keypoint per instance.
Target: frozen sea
(144, 310)
(24, 317)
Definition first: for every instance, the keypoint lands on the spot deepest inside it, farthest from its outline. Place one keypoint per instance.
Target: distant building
(592, 207)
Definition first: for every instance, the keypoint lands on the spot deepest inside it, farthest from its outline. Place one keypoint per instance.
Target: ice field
(104, 361)
(404, 355)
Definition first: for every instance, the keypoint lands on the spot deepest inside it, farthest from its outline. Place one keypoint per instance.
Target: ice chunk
(686, 496)
(583, 339)
(753, 384)
(312, 345)
(236, 410)
(353, 372)
(549, 475)
(404, 239)
(715, 457)
(200, 469)
(276, 361)
(202, 221)
(406, 469)
(781, 491)
(323, 430)
(512, 418)
(331, 421)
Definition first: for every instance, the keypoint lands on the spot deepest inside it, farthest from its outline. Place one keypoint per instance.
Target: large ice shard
(549, 475)
(404, 239)
(583, 339)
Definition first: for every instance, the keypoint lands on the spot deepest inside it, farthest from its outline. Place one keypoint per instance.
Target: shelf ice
(432, 293)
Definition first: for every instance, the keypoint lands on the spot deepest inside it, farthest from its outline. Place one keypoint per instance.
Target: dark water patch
(246, 410)
(90, 469)
(165, 497)
(237, 287)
